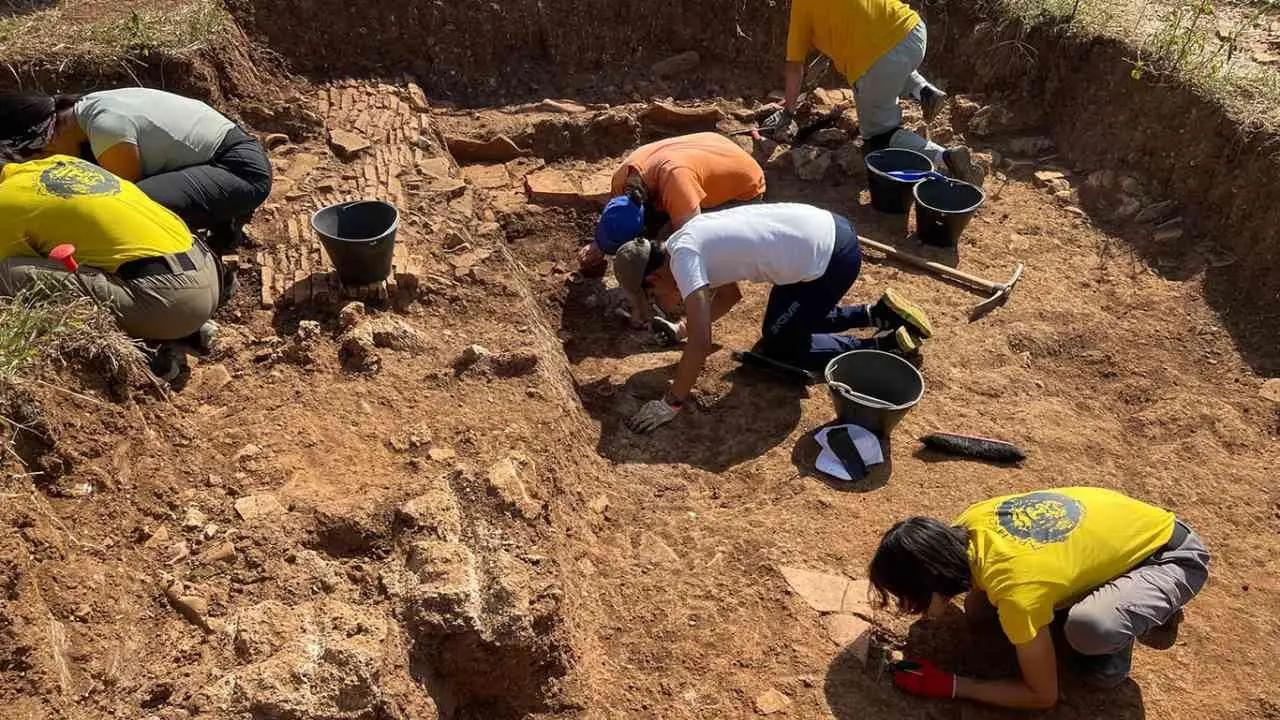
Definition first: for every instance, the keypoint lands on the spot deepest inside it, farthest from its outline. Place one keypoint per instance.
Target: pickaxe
(999, 291)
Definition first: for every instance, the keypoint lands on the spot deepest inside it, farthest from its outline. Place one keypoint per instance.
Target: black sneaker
(168, 362)
(1164, 636)
(893, 311)
(931, 102)
(1106, 671)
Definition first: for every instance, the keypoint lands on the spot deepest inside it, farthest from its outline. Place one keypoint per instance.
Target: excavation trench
(484, 539)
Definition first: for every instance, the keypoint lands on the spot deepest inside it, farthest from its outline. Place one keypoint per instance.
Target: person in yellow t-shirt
(878, 46)
(1110, 568)
(136, 258)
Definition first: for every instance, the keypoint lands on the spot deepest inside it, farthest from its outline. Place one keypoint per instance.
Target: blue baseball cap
(622, 220)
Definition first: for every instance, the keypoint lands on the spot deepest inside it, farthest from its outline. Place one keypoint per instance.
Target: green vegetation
(38, 328)
(1192, 41)
(113, 33)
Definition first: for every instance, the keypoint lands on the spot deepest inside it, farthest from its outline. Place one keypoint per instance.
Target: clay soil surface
(353, 517)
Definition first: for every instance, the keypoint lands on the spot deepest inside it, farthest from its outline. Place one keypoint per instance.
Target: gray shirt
(171, 132)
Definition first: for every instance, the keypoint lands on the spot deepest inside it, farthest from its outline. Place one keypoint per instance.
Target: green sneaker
(893, 311)
(901, 341)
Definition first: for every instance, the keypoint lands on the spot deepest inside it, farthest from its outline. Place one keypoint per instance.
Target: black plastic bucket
(943, 209)
(873, 389)
(890, 194)
(360, 237)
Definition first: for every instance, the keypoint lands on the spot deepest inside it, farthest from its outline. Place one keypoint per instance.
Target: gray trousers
(895, 75)
(160, 307)
(1110, 617)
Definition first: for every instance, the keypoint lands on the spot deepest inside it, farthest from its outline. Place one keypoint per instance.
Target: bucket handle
(854, 396)
(912, 176)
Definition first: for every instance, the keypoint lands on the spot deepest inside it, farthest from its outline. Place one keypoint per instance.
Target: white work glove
(667, 332)
(651, 415)
(777, 125)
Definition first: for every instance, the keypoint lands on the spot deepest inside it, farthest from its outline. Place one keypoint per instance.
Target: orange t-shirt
(685, 173)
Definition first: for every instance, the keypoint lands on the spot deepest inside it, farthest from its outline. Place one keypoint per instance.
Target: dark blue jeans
(802, 320)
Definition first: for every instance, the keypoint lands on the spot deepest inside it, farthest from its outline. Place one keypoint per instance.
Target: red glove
(922, 677)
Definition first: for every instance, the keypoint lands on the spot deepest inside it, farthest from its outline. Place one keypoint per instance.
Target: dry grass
(39, 329)
(1190, 41)
(117, 31)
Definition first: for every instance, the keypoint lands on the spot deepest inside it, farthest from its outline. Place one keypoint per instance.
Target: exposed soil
(353, 512)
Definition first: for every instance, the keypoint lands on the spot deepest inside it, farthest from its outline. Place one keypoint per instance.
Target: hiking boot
(1164, 636)
(893, 311)
(901, 341)
(960, 165)
(931, 102)
(1105, 671)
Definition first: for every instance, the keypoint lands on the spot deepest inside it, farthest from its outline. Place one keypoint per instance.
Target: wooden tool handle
(934, 267)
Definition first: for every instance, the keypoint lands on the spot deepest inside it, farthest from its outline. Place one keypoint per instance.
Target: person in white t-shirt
(809, 255)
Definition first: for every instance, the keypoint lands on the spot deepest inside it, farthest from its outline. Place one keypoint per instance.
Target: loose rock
(682, 64)
(829, 138)
(506, 483)
(772, 701)
(673, 117)
(515, 363)
(843, 628)
(471, 355)
(417, 98)
(811, 163)
(358, 354)
(850, 159)
(828, 593)
(1270, 390)
(193, 520)
(350, 315)
(274, 140)
(495, 149)
(347, 144)
(1157, 212)
(254, 507)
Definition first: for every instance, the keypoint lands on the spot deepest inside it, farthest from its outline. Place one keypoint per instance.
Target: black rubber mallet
(974, 446)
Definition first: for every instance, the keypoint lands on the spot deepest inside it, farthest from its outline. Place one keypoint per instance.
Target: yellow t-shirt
(1040, 551)
(853, 33)
(45, 203)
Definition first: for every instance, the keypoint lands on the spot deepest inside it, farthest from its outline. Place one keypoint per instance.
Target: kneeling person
(137, 259)
(809, 255)
(1114, 569)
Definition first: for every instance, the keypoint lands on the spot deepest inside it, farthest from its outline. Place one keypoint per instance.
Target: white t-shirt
(777, 243)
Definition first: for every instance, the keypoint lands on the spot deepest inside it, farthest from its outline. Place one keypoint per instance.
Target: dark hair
(21, 114)
(918, 557)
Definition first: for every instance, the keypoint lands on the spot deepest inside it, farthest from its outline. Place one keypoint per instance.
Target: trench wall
(1224, 173)
(482, 51)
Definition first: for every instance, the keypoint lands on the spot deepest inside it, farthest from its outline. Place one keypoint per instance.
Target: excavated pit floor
(414, 532)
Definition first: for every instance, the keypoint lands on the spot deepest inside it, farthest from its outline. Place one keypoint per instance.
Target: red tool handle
(65, 254)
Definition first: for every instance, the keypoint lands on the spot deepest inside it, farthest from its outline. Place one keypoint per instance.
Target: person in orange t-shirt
(660, 186)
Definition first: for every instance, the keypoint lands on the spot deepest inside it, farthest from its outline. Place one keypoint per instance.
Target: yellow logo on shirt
(76, 178)
(1044, 517)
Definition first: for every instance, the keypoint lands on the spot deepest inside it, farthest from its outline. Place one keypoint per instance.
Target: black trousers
(219, 196)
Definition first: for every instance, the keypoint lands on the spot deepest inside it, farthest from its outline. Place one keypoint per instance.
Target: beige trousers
(160, 307)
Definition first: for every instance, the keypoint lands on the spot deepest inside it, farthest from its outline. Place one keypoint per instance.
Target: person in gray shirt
(182, 153)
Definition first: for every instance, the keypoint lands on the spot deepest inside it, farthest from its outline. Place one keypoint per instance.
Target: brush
(973, 446)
